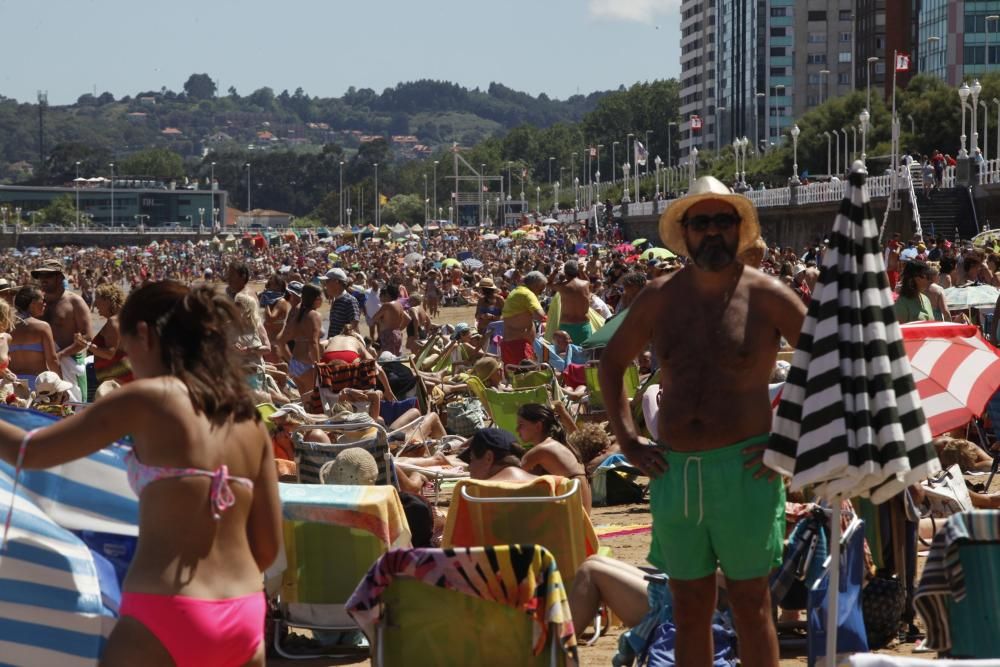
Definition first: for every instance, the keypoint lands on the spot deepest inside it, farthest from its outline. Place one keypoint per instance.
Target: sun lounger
(332, 536)
(492, 606)
(546, 511)
(368, 435)
(595, 397)
(502, 406)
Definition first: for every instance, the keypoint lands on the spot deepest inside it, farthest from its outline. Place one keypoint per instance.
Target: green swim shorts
(578, 331)
(709, 511)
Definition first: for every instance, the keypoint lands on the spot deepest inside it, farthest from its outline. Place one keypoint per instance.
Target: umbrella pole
(833, 585)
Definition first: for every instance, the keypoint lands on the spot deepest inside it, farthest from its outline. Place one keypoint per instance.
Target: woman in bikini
(32, 348)
(304, 327)
(539, 428)
(110, 361)
(432, 293)
(275, 310)
(201, 459)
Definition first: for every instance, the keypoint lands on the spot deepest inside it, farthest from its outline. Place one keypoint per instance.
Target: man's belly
(717, 420)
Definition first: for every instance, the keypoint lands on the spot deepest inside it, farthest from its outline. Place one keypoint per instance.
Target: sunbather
(616, 584)
(494, 455)
(538, 426)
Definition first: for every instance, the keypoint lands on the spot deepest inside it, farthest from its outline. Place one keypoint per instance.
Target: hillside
(415, 118)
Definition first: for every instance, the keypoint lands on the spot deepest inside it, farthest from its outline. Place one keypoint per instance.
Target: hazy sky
(559, 47)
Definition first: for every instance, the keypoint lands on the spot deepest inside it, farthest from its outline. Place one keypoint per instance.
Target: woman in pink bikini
(202, 466)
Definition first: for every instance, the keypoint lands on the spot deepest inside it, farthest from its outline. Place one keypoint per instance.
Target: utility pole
(43, 103)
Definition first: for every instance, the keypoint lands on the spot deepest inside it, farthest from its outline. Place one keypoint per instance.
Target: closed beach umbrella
(602, 336)
(850, 422)
(956, 371)
(489, 237)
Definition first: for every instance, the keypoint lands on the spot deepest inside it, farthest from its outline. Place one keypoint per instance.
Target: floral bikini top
(220, 493)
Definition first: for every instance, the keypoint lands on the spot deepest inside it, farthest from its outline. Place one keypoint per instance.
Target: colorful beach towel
(524, 577)
(375, 509)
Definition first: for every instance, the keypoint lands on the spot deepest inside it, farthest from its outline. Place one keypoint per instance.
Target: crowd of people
(188, 339)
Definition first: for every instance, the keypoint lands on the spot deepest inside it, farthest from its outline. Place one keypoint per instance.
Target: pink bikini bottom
(201, 632)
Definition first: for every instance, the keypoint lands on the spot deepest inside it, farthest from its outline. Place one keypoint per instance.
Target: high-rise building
(697, 88)
(885, 28)
(738, 54)
(953, 36)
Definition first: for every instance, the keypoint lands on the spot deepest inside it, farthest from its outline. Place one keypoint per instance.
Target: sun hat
(290, 409)
(704, 189)
(486, 283)
(48, 383)
(47, 266)
(353, 467)
(485, 367)
(294, 287)
(501, 442)
(336, 274)
(5, 285)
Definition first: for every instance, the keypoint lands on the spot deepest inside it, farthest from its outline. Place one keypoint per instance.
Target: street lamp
(868, 79)
(963, 95)
(693, 167)
(828, 153)
(572, 168)
(847, 155)
(538, 199)
(435, 189)
(550, 170)
(756, 123)
(247, 165)
(215, 217)
(913, 130)
(576, 193)
(340, 203)
(823, 85)
(976, 89)
(736, 152)
(614, 167)
(744, 144)
(795, 151)
(625, 170)
(76, 183)
(836, 134)
(112, 165)
(854, 140)
(658, 162)
(201, 218)
(986, 129)
(864, 116)
(211, 180)
(555, 190)
(348, 212)
(778, 92)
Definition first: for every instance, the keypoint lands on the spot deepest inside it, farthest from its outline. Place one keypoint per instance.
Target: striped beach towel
(943, 578)
(850, 421)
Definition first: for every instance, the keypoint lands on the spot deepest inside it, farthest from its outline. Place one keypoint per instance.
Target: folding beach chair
(354, 526)
(369, 435)
(502, 406)
(527, 376)
(490, 607)
(595, 397)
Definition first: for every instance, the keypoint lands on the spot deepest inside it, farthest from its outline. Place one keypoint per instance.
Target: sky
(559, 47)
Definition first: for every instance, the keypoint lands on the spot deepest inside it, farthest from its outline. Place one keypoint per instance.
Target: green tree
(156, 162)
(403, 208)
(61, 211)
(200, 87)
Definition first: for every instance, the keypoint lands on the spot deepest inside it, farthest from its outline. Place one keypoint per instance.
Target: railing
(908, 183)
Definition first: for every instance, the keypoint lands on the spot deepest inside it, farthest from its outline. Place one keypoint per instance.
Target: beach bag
(883, 601)
(401, 379)
(465, 417)
(945, 494)
(660, 652)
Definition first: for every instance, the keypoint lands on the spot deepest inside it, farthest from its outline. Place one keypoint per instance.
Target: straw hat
(708, 188)
(48, 383)
(353, 467)
(486, 283)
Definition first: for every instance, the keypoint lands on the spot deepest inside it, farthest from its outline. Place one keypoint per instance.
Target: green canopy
(602, 336)
(657, 253)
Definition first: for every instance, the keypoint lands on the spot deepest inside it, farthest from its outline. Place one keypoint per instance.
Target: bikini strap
(13, 493)
(221, 493)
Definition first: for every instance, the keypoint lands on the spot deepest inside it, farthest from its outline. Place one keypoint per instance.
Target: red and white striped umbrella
(956, 371)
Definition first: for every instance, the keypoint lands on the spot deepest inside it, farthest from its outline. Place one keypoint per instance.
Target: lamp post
(112, 165)
(435, 187)
(976, 89)
(854, 140)
(913, 130)
(625, 170)
(795, 151)
(76, 184)
(340, 202)
(823, 85)
(778, 90)
(836, 134)
(756, 122)
(828, 153)
(555, 190)
(378, 204)
(868, 79)
(736, 152)
(670, 144)
(538, 199)
(201, 218)
(576, 193)
(657, 162)
(247, 165)
(215, 218)
(693, 167)
(963, 95)
(348, 212)
(745, 145)
(614, 168)
(986, 130)
(572, 168)
(864, 117)
(550, 171)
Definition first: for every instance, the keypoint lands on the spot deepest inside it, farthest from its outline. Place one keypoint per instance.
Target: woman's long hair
(537, 413)
(310, 295)
(911, 271)
(197, 328)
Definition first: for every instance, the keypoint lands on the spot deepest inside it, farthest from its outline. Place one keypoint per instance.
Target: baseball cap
(336, 274)
(501, 442)
(294, 287)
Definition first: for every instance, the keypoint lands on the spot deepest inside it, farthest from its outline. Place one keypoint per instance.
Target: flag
(383, 200)
(640, 153)
(593, 152)
(695, 123)
(486, 188)
(902, 62)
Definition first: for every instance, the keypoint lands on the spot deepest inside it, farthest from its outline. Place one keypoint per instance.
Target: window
(777, 92)
(777, 32)
(845, 15)
(816, 59)
(778, 11)
(880, 68)
(817, 38)
(844, 79)
(777, 51)
(817, 15)
(879, 43)
(812, 100)
(844, 57)
(845, 38)
(777, 71)
(814, 79)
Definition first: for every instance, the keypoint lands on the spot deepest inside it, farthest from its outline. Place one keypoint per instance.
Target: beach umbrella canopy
(550, 221)
(451, 261)
(971, 296)
(344, 248)
(472, 264)
(450, 238)
(416, 229)
(489, 237)
(413, 259)
(626, 248)
(850, 422)
(639, 242)
(517, 233)
(504, 241)
(657, 253)
(956, 371)
(987, 238)
(602, 336)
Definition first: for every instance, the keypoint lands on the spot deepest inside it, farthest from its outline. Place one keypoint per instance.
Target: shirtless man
(521, 309)
(575, 296)
(713, 504)
(69, 318)
(390, 320)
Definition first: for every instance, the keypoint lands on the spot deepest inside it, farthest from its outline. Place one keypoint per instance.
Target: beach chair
(502, 406)
(595, 397)
(434, 607)
(351, 526)
(369, 435)
(546, 511)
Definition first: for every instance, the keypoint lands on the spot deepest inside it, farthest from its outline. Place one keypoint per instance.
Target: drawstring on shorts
(701, 499)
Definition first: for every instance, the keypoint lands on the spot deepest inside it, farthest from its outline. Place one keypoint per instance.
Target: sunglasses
(723, 222)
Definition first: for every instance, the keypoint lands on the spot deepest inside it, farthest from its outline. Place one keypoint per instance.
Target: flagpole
(894, 133)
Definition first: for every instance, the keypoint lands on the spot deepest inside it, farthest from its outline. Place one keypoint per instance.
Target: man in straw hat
(716, 325)
(69, 317)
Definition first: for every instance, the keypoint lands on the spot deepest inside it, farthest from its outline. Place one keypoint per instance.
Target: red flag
(902, 62)
(695, 122)
(593, 152)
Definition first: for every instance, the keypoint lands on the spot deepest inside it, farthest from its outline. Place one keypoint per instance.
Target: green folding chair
(596, 397)
(503, 405)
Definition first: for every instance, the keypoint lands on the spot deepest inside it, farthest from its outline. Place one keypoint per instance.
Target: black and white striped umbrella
(850, 421)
